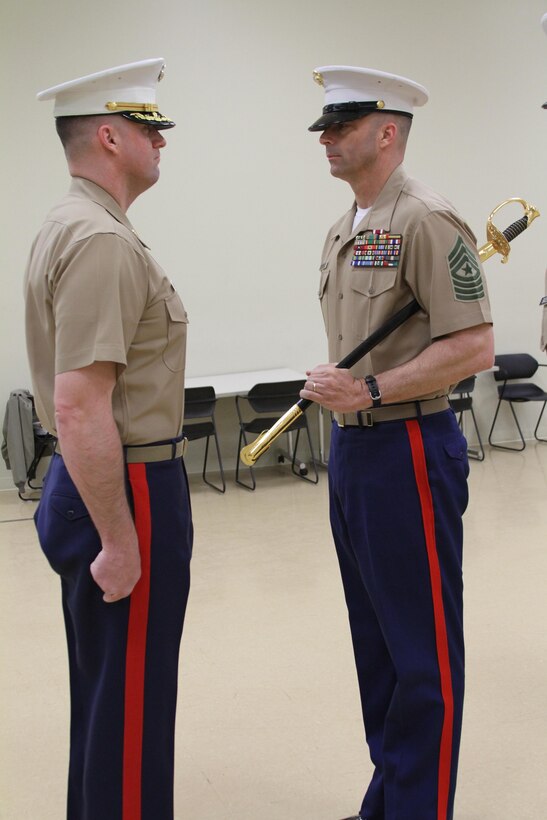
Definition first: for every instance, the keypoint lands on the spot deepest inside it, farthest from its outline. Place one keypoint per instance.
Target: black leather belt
(147, 453)
(392, 412)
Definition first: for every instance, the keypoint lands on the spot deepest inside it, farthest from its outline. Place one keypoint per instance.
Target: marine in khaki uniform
(106, 338)
(398, 461)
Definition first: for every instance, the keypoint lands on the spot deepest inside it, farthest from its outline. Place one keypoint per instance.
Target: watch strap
(374, 391)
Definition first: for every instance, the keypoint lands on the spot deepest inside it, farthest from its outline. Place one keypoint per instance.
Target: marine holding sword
(398, 463)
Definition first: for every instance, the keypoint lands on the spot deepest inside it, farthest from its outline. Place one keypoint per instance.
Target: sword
(498, 242)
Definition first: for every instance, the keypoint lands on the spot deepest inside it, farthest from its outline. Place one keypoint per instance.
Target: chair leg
(538, 438)
(503, 446)
(478, 455)
(243, 440)
(204, 473)
(44, 449)
(299, 472)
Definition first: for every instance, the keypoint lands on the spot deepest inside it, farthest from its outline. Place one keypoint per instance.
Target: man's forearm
(91, 447)
(446, 361)
(93, 455)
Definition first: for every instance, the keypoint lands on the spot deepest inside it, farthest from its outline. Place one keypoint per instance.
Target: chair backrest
(199, 402)
(514, 366)
(465, 386)
(275, 397)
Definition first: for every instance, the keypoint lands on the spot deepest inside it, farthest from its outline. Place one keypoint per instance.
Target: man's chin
(337, 172)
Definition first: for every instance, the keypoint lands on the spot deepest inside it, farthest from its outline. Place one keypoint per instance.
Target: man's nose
(326, 136)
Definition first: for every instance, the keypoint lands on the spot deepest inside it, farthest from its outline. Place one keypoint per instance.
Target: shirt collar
(381, 212)
(90, 190)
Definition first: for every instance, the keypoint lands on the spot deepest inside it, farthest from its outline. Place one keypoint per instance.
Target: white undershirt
(360, 214)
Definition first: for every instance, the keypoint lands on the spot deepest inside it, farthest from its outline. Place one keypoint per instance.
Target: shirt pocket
(177, 321)
(370, 297)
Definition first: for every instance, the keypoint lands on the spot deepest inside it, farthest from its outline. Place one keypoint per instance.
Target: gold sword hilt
(498, 241)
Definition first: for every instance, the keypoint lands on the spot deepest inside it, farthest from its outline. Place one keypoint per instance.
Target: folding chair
(513, 366)
(461, 402)
(199, 403)
(276, 398)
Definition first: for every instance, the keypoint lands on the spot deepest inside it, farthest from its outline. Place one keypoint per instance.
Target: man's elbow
(68, 415)
(71, 402)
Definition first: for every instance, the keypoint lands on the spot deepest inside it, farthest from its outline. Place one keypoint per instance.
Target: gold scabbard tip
(246, 458)
(258, 447)
(250, 454)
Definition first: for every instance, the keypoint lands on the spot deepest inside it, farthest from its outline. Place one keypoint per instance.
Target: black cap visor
(345, 112)
(149, 118)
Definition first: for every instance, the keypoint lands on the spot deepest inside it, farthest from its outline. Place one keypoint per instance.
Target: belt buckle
(365, 418)
(341, 420)
(179, 448)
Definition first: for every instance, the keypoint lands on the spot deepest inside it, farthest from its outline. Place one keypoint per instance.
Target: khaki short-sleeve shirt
(93, 292)
(410, 245)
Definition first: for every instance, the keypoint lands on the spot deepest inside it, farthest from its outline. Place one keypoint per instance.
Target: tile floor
(269, 725)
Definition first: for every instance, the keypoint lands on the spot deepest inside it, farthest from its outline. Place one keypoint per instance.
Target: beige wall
(245, 198)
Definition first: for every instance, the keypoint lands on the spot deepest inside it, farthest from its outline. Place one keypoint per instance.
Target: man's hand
(335, 389)
(116, 569)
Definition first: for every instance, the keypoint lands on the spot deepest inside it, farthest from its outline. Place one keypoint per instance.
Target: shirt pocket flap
(370, 282)
(324, 271)
(175, 309)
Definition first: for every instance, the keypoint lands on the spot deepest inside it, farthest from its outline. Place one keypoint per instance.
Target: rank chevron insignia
(465, 273)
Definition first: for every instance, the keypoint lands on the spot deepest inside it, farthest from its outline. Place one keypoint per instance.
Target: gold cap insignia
(127, 106)
(380, 104)
(318, 78)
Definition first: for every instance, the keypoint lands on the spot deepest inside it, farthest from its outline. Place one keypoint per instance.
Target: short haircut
(404, 124)
(402, 121)
(74, 131)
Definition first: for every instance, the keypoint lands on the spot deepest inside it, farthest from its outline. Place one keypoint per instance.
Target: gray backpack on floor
(24, 442)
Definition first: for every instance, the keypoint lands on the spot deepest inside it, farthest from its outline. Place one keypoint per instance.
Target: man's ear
(108, 136)
(388, 133)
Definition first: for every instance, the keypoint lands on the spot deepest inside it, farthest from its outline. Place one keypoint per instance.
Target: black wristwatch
(374, 391)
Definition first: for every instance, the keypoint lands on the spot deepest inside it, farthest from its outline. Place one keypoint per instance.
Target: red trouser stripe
(136, 651)
(441, 637)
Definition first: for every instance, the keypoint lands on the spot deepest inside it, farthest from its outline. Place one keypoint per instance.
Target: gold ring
(313, 387)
